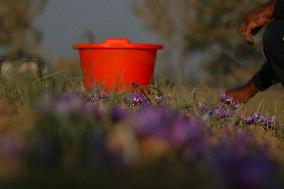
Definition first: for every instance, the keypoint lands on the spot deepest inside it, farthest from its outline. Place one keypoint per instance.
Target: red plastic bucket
(117, 64)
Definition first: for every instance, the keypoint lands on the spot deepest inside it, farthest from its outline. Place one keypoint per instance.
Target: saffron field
(55, 135)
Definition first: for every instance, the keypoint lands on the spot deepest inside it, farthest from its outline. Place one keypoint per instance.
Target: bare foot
(243, 93)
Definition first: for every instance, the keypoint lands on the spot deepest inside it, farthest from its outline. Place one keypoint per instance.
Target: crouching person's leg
(273, 71)
(273, 42)
(265, 78)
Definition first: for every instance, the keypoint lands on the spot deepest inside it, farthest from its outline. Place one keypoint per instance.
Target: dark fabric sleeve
(264, 78)
(279, 9)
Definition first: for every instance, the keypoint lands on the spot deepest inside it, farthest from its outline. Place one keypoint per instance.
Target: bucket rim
(117, 43)
(102, 46)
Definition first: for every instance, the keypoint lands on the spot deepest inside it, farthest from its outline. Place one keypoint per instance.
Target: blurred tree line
(209, 28)
(17, 30)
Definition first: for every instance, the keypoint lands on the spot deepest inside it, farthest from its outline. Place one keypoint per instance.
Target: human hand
(254, 21)
(251, 25)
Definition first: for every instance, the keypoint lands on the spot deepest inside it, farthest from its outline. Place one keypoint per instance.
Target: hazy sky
(64, 21)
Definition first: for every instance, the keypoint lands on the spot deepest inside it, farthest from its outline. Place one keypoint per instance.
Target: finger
(247, 35)
(244, 24)
(243, 27)
(248, 38)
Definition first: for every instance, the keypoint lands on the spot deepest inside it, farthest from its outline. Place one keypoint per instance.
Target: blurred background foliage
(205, 28)
(17, 30)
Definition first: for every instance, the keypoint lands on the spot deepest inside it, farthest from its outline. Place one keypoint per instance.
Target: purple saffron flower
(229, 101)
(154, 122)
(256, 172)
(253, 119)
(242, 142)
(187, 136)
(268, 122)
(99, 97)
(256, 116)
(245, 169)
(180, 132)
(248, 120)
(45, 104)
(220, 112)
(70, 102)
(136, 99)
(117, 114)
(224, 113)
(94, 99)
(195, 142)
(257, 119)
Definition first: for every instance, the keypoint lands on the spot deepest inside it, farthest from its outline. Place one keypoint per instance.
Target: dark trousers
(272, 72)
